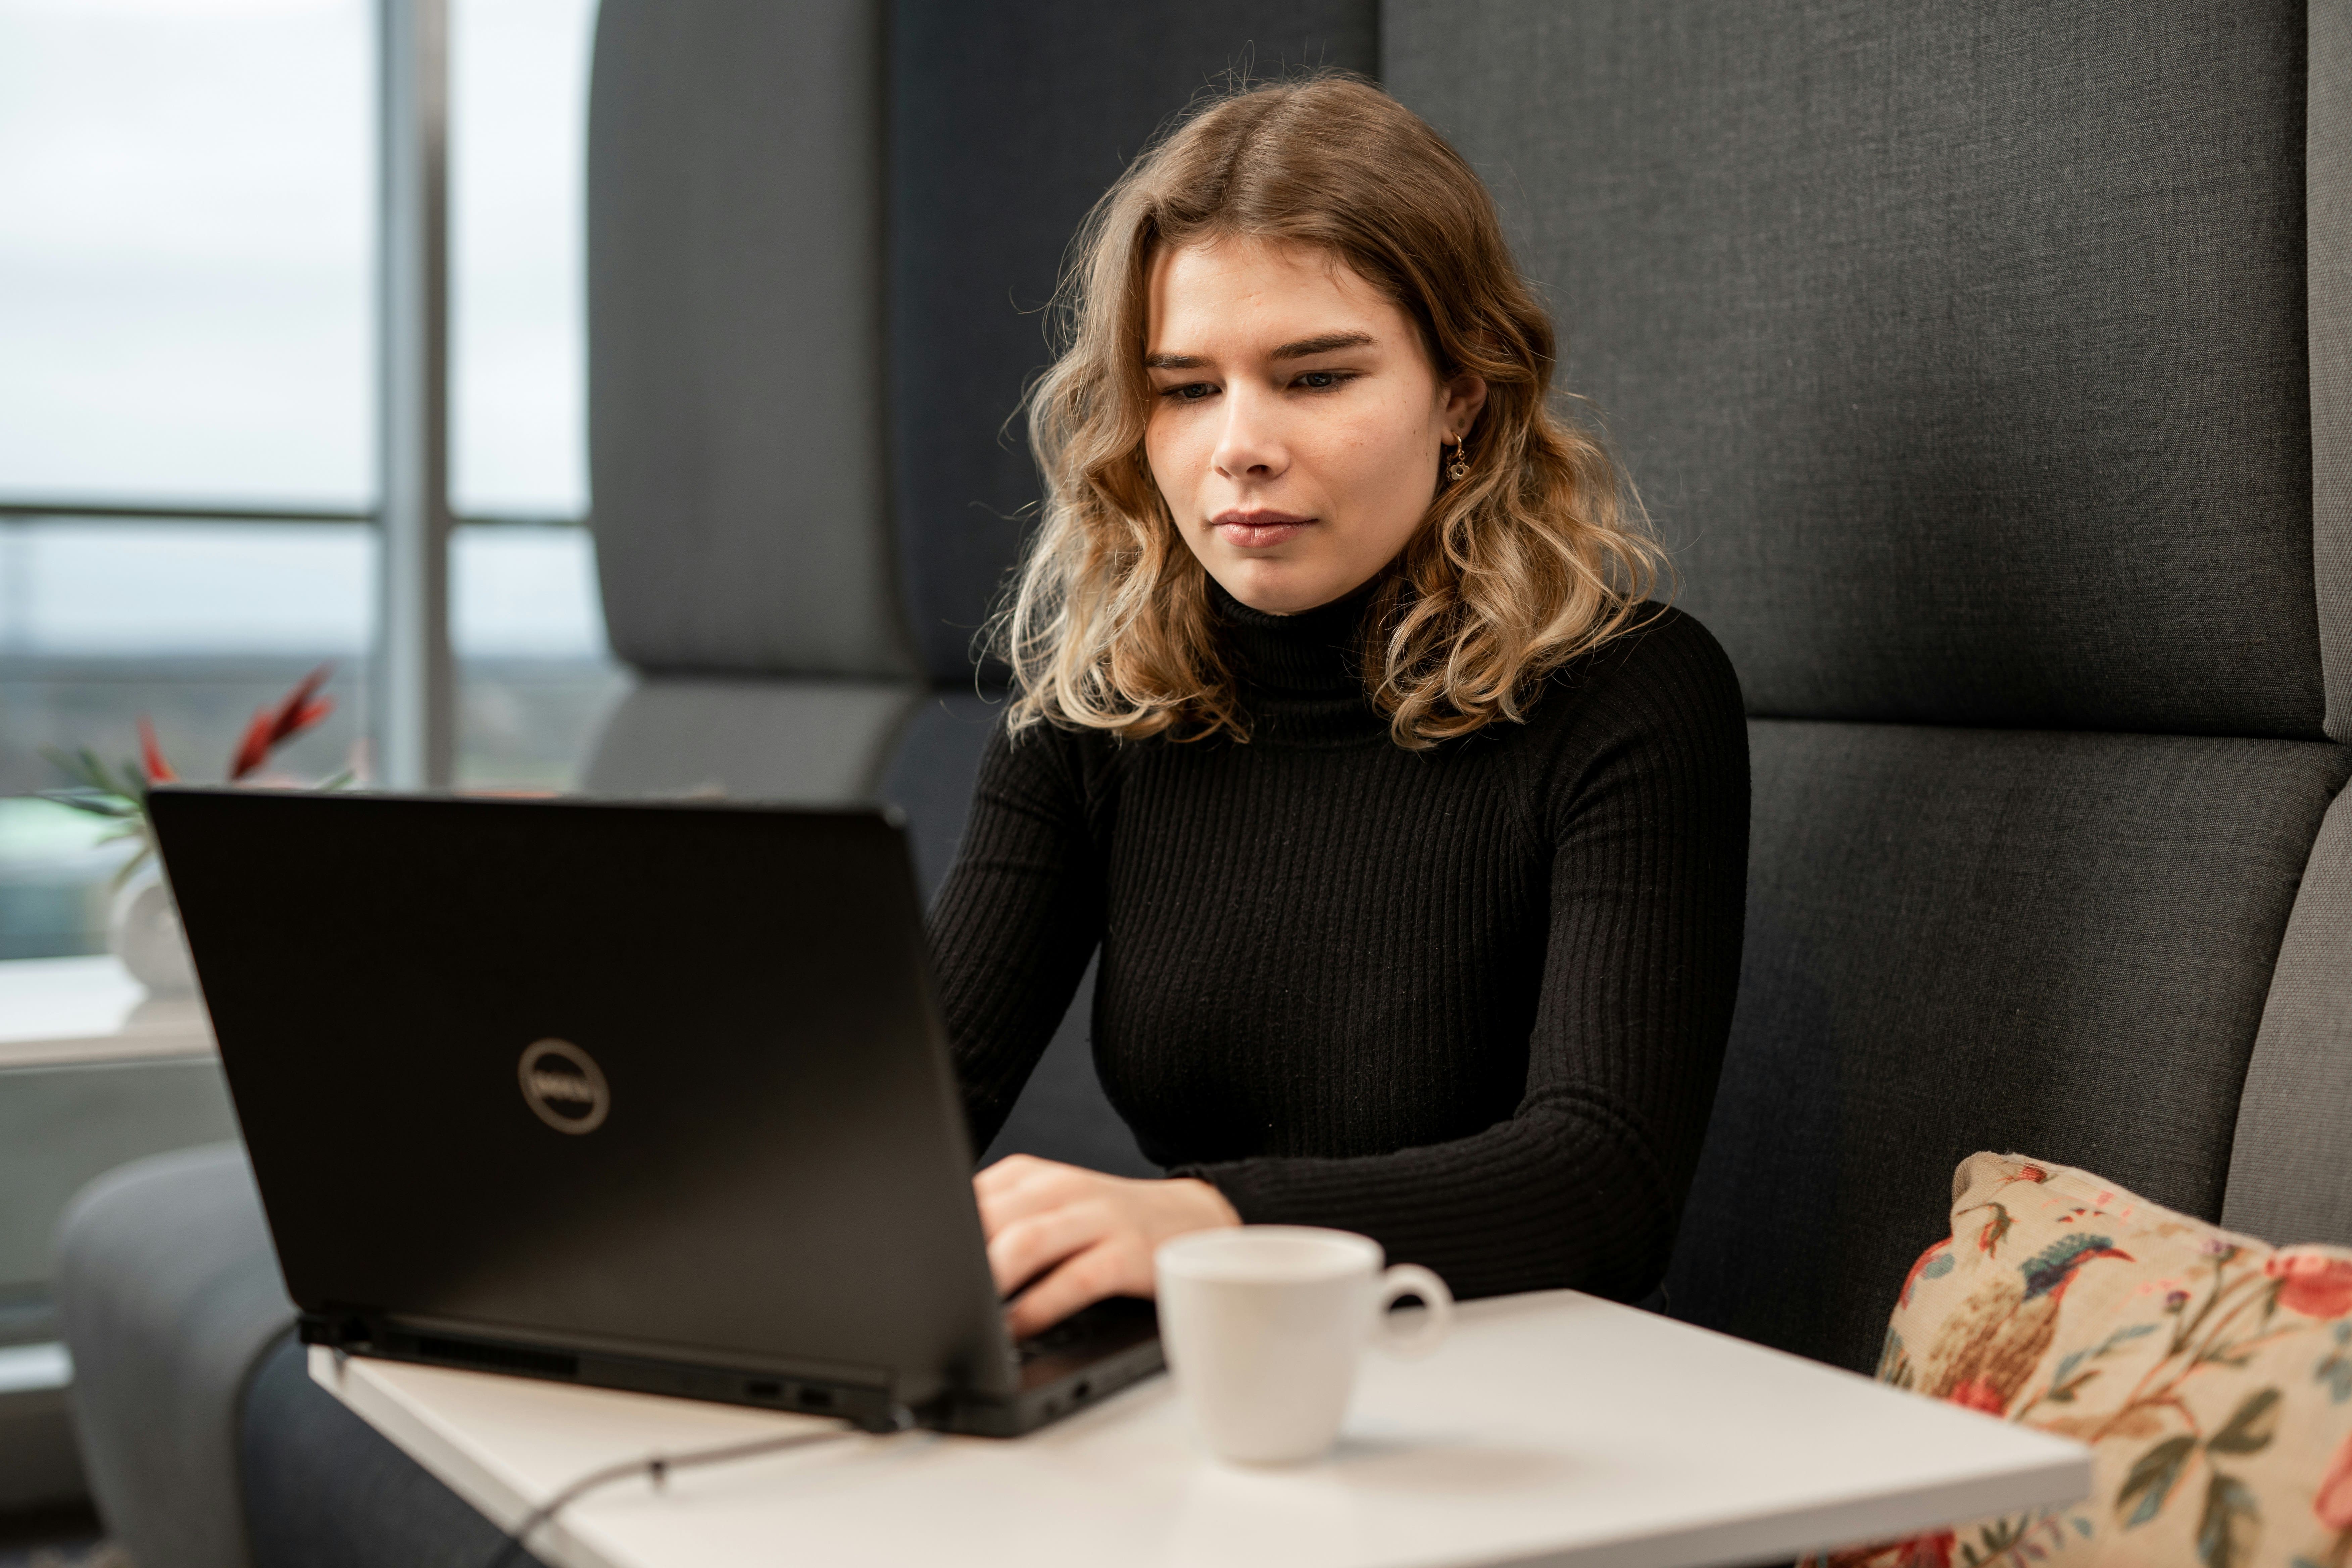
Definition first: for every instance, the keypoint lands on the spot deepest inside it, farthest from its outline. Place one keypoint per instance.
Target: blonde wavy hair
(1540, 554)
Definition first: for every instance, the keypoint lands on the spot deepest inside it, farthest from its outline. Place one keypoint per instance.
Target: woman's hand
(1076, 1235)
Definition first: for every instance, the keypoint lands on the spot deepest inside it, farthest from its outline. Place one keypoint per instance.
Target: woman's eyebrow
(1322, 345)
(1302, 348)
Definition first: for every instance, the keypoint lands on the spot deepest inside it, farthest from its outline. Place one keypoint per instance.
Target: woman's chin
(1282, 587)
(1278, 586)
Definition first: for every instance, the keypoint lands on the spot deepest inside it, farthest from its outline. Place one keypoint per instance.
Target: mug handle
(1412, 1279)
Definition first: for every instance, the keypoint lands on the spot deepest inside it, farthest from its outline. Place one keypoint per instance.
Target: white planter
(143, 931)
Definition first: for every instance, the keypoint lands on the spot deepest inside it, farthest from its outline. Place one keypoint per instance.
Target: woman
(1413, 837)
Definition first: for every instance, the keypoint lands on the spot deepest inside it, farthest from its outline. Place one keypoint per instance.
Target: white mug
(1263, 1327)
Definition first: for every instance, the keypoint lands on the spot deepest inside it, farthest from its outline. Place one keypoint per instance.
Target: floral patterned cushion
(2212, 1375)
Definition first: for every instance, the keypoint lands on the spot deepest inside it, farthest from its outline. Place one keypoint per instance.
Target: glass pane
(195, 625)
(185, 197)
(518, 90)
(535, 676)
(54, 876)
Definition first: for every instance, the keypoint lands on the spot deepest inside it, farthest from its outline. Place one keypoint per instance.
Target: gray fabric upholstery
(2290, 1170)
(168, 1291)
(803, 741)
(65, 1125)
(1960, 347)
(2291, 1167)
(735, 338)
(2328, 178)
(1961, 939)
(930, 774)
(1001, 188)
(322, 1487)
(1063, 1113)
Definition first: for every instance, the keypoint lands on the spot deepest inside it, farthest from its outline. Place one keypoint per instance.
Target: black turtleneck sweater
(1470, 1001)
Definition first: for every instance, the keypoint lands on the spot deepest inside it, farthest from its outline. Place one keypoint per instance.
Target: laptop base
(1082, 1362)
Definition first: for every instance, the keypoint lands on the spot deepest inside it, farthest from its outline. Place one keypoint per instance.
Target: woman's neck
(1301, 674)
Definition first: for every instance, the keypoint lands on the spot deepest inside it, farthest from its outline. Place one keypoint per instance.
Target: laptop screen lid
(657, 1078)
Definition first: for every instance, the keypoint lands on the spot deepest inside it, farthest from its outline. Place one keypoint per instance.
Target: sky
(186, 198)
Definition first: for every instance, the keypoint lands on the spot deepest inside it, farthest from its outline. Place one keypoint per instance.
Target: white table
(59, 1010)
(1552, 1428)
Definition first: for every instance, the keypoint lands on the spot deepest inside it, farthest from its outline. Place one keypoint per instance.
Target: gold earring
(1459, 469)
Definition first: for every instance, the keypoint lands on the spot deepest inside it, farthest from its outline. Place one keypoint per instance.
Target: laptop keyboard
(1064, 1335)
(1103, 1329)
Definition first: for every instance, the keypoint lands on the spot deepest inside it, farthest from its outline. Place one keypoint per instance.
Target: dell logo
(564, 1087)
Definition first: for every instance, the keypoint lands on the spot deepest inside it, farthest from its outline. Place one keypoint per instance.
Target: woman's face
(1296, 419)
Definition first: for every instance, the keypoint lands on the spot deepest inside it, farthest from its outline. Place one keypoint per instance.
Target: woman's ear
(1465, 394)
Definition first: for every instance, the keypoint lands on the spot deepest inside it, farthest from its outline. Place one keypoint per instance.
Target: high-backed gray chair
(1988, 364)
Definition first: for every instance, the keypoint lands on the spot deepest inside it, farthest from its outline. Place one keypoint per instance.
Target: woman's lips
(1258, 530)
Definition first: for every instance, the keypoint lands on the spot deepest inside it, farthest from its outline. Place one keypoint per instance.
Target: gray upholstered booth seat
(1988, 364)
(168, 1292)
(2054, 942)
(321, 1488)
(801, 742)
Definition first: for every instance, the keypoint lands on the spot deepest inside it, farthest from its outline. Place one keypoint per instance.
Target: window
(534, 678)
(188, 193)
(185, 197)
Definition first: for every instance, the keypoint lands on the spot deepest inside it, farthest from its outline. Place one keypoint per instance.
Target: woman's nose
(1249, 446)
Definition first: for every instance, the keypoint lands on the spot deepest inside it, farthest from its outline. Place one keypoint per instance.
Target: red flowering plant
(120, 794)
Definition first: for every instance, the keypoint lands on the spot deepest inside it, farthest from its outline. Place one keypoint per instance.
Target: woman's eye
(1321, 379)
(1190, 391)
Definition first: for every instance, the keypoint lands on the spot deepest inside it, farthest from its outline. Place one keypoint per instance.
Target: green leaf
(131, 868)
(2225, 1536)
(77, 771)
(91, 801)
(2063, 1383)
(2249, 1431)
(95, 770)
(2065, 1393)
(2336, 1371)
(2151, 1477)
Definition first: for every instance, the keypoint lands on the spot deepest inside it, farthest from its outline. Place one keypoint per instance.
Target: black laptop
(651, 1096)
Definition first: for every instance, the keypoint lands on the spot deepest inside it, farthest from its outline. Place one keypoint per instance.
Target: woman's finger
(1010, 1172)
(1091, 1276)
(1043, 1186)
(1026, 1248)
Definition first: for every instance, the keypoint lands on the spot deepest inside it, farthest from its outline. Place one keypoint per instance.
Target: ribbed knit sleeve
(1641, 806)
(1016, 919)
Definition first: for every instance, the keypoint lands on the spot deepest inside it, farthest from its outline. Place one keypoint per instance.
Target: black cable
(656, 1468)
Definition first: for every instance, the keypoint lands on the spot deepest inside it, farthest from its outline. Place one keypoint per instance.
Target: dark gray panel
(930, 773)
(734, 336)
(1006, 123)
(2055, 944)
(2328, 182)
(1960, 348)
(2291, 1165)
(804, 742)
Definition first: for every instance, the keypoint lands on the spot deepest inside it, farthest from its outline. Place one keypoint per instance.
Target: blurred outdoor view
(187, 197)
